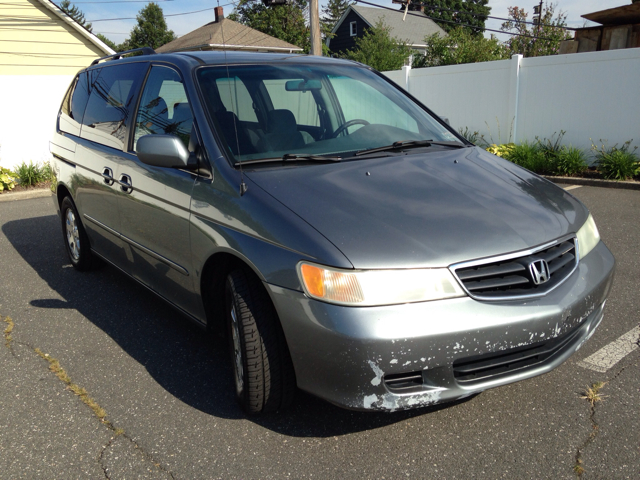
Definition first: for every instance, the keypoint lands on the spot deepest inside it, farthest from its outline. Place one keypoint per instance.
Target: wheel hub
(73, 237)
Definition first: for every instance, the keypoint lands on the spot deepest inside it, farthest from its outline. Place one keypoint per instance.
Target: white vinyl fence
(593, 95)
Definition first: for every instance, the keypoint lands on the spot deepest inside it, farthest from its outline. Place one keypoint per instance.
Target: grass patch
(56, 368)
(7, 331)
(592, 394)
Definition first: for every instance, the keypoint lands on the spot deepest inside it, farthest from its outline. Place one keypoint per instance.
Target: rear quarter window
(75, 102)
(111, 104)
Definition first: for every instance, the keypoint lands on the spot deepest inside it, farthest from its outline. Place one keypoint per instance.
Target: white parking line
(571, 187)
(608, 356)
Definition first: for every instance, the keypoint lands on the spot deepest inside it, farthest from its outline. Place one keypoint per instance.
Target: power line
(432, 9)
(455, 23)
(166, 15)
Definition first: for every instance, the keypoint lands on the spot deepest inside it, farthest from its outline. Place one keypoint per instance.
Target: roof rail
(115, 56)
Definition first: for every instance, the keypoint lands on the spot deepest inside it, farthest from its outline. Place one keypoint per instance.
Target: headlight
(377, 287)
(588, 237)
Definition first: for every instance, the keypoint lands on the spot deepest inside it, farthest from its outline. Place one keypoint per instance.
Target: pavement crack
(83, 395)
(101, 457)
(593, 396)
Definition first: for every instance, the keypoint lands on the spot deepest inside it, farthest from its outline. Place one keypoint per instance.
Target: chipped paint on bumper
(342, 354)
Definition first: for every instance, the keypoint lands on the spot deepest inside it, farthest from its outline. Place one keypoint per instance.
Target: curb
(35, 193)
(595, 182)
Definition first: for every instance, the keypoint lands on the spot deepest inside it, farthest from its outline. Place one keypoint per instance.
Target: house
(357, 19)
(225, 34)
(619, 28)
(42, 49)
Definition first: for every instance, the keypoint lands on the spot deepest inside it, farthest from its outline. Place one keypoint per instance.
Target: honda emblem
(539, 270)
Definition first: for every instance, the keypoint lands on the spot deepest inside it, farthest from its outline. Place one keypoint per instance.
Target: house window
(353, 28)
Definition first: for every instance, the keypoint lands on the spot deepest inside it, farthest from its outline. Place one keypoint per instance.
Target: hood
(424, 209)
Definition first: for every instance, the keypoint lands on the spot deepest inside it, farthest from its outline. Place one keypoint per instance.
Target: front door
(155, 208)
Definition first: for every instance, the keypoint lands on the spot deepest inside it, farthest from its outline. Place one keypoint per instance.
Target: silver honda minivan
(346, 240)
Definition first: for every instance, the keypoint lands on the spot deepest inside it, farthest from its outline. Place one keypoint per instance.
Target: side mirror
(166, 151)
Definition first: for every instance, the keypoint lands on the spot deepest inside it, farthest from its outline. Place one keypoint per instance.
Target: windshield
(268, 111)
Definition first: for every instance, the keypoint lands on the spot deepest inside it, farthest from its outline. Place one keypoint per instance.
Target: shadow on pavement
(191, 366)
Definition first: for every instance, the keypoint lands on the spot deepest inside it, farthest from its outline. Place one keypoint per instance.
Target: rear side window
(75, 102)
(110, 104)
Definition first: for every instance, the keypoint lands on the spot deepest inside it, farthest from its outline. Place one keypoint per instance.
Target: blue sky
(118, 30)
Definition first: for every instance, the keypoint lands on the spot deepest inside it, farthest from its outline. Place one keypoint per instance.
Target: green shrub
(551, 147)
(33, 174)
(529, 156)
(7, 182)
(474, 137)
(569, 161)
(617, 163)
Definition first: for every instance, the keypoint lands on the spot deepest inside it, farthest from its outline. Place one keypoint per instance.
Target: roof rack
(115, 56)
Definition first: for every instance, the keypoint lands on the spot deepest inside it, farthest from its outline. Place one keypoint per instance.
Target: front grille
(490, 366)
(510, 276)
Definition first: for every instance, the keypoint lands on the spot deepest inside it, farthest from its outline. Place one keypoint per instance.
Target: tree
(550, 32)
(460, 46)
(379, 50)
(331, 13)
(75, 13)
(450, 14)
(151, 30)
(109, 43)
(286, 22)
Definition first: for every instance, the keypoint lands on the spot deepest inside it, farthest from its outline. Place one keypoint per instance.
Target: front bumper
(353, 356)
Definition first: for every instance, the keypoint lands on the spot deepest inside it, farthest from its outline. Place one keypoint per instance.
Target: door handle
(125, 183)
(107, 176)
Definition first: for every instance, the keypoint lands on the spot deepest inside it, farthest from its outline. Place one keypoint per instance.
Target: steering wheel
(345, 125)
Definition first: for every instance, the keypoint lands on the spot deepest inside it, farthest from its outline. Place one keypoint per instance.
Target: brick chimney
(219, 14)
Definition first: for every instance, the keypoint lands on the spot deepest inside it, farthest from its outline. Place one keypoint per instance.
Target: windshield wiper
(292, 157)
(402, 144)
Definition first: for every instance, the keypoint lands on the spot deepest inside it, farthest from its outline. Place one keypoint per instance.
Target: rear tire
(262, 367)
(75, 238)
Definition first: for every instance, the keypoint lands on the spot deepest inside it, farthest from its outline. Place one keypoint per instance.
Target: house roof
(77, 27)
(236, 37)
(413, 29)
(616, 16)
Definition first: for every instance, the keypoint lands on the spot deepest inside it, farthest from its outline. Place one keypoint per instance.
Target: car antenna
(243, 186)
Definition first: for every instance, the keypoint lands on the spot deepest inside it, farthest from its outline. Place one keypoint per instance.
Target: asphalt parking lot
(164, 388)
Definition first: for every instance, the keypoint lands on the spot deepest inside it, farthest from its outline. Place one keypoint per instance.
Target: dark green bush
(617, 163)
(569, 161)
(529, 156)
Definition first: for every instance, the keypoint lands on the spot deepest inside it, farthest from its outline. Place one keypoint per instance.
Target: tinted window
(164, 107)
(301, 103)
(235, 98)
(111, 103)
(75, 101)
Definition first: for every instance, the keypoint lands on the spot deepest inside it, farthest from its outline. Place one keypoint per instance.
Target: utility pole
(314, 27)
(314, 23)
(537, 10)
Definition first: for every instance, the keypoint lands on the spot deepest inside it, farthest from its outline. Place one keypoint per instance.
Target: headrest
(281, 121)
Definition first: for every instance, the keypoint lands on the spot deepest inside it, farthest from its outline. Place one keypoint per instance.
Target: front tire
(75, 238)
(262, 368)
